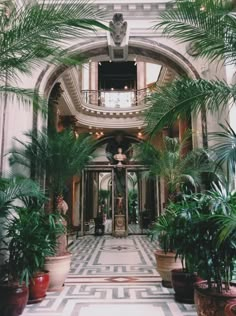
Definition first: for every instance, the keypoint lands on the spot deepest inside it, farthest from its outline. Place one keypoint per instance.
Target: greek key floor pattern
(112, 277)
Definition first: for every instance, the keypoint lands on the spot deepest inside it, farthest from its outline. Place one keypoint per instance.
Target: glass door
(142, 201)
(97, 206)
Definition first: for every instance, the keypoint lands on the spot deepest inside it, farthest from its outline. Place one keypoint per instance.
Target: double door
(125, 200)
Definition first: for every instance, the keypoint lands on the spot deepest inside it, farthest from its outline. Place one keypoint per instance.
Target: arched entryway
(140, 198)
(117, 194)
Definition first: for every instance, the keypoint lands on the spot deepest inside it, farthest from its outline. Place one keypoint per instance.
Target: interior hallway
(110, 277)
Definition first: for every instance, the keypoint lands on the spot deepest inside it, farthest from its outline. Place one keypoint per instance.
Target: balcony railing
(116, 99)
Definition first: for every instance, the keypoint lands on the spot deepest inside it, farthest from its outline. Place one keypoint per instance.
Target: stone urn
(165, 263)
(58, 267)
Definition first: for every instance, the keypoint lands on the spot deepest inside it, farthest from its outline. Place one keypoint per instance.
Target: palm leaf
(16, 188)
(225, 148)
(36, 32)
(209, 25)
(58, 155)
(169, 162)
(227, 226)
(25, 97)
(185, 96)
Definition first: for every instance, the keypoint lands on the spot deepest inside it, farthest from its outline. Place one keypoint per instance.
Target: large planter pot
(165, 263)
(183, 285)
(210, 303)
(13, 299)
(38, 287)
(58, 267)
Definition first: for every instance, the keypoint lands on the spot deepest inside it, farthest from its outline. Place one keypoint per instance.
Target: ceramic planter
(165, 263)
(38, 287)
(58, 267)
(210, 303)
(183, 285)
(13, 299)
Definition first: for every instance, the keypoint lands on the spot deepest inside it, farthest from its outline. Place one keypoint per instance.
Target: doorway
(123, 200)
(142, 201)
(97, 200)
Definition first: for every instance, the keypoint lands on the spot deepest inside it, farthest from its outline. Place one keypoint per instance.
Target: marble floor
(110, 277)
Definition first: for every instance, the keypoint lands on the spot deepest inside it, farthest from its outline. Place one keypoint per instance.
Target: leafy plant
(209, 28)
(31, 236)
(163, 230)
(201, 221)
(13, 188)
(186, 232)
(178, 169)
(28, 233)
(224, 152)
(58, 155)
(35, 32)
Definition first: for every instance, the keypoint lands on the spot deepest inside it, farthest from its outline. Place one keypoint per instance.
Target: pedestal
(120, 227)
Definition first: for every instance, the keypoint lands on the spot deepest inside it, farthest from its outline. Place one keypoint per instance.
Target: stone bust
(118, 27)
(120, 157)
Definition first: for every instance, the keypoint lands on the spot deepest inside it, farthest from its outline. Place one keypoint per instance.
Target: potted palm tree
(60, 156)
(208, 27)
(28, 235)
(218, 234)
(163, 230)
(215, 255)
(33, 236)
(186, 235)
(181, 173)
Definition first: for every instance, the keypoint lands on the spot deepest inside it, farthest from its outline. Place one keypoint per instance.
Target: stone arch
(137, 46)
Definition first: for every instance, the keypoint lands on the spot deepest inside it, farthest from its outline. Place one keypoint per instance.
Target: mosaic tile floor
(110, 277)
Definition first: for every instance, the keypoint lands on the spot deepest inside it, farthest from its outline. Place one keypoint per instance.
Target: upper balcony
(118, 103)
(116, 99)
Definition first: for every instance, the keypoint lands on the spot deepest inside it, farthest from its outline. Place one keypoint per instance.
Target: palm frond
(225, 147)
(36, 32)
(209, 25)
(227, 226)
(185, 96)
(16, 188)
(59, 155)
(169, 162)
(25, 97)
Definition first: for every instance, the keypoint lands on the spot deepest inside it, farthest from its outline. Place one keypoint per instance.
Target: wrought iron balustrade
(116, 99)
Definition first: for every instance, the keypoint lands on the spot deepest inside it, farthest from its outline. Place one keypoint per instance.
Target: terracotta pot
(182, 283)
(230, 308)
(165, 263)
(211, 303)
(13, 299)
(58, 267)
(38, 287)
